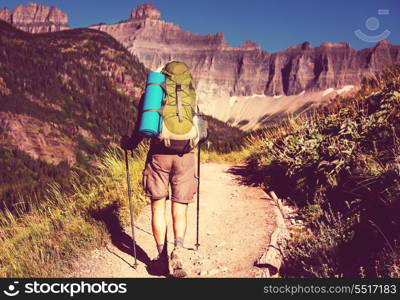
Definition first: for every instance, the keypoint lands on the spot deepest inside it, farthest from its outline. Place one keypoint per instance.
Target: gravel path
(236, 222)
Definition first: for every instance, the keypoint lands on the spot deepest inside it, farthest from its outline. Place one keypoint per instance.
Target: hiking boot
(158, 266)
(176, 266)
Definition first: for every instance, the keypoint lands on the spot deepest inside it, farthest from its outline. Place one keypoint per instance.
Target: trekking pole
(198, 197)
(128, 179)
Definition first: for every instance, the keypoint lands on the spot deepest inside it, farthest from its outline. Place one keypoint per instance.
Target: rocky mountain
(64, 96)
(57, 88)
(227, 77)
(223, 71)
(36, 18)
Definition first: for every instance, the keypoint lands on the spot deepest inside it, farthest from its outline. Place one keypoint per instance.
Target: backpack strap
(156, 110)
(162, 85)
(167, 143)
(178, 89)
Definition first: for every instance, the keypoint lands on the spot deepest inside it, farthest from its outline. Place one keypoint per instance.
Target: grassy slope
(43, 242)
(224, 143)
(72, 216)
(70, 80)
(341, 168)
(56, 212)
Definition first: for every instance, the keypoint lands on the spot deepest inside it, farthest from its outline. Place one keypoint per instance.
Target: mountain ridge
(36, 18)
(223, 71)
(64, 97)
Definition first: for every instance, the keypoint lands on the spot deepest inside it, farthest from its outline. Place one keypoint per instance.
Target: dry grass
(45, 241)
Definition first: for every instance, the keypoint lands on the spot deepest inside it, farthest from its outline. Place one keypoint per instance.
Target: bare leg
(159, 221)
(179, 218)
(159, 265)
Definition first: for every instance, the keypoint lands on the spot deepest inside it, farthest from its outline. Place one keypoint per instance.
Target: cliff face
(35, 18)
(5, 15)
(227, 75)
(223, 71)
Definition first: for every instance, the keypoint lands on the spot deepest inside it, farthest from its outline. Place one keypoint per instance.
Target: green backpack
(180, 128)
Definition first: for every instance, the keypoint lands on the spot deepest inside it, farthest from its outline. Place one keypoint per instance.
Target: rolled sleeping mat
(151, 121)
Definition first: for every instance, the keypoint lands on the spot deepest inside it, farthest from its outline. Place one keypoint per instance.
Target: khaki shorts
(178, 171)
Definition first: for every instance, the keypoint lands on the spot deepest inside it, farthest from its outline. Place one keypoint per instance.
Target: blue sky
(273, 24)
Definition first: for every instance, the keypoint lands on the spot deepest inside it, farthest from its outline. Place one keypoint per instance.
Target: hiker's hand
(127, 143)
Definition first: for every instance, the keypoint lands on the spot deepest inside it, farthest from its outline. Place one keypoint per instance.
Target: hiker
(170, 162)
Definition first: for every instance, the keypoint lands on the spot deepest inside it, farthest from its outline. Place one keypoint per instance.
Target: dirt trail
(236, 222)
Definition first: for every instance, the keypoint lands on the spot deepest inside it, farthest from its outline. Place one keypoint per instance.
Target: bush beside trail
(341, 168)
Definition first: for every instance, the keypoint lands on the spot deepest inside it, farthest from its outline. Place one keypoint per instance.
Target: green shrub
(344, 158)
(319, 253)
